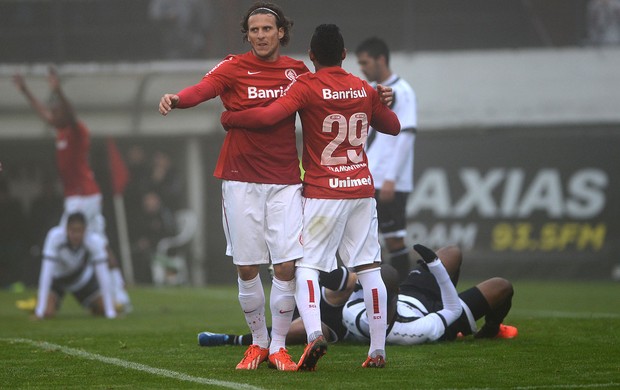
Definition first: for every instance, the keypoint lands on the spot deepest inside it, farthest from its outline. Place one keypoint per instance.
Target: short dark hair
(375, 47)
(327, 44)
(262, 7)
(76, 217)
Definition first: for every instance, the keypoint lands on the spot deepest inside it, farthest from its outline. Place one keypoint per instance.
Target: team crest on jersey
(290, 74)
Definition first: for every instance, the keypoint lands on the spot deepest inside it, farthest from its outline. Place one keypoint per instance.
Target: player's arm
(256, 118)
(44, 113)
(452, 308)
(384, 120)
(45, 285)
(54, 83)
(97, 248)
(386, 95)
(188, 97)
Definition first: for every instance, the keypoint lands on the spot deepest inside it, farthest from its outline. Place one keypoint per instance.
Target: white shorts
(90, 206)
(262, 222)
(346, 226)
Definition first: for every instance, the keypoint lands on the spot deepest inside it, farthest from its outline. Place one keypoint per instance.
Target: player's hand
(19, 81)
(52, 78)
(386, 95)
(427, 254)
(388, 191)
(167, 103)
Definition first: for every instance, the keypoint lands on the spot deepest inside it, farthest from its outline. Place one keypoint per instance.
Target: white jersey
(389, 157)
(414, 324)
(68, 261)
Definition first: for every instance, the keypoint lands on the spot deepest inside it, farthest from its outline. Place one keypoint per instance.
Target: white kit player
(336, 109)
(75, 261)
(391, 159)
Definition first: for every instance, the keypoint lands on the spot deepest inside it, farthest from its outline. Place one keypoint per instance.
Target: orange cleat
(282, 361)
(507, 332)
(253, 357)
(312, 353)
(376, 362)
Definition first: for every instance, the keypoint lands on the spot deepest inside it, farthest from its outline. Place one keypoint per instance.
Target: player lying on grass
(419, 296)
(74, 261)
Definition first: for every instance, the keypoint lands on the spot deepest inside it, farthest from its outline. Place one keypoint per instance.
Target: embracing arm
(385, 121)
(187, 97)
(255, 118)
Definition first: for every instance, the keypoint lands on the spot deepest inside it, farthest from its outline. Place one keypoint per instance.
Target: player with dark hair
(339, 214)
(391, 158)
(74, 261)
(261, 184)
(81, 191)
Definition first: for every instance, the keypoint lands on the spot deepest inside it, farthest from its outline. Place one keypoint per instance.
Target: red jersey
(72, 146)
(242, 82)
(336, 109)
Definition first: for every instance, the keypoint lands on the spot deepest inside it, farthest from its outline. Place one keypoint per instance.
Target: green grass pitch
(568, 339)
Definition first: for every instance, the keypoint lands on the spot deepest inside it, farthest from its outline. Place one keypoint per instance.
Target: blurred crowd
(153, 194)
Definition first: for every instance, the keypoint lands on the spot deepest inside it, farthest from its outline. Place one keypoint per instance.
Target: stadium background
(516, 157)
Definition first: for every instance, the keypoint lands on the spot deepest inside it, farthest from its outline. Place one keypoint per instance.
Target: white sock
(118, 287)
(252, 300)
(308, 297)
(375, 300)
(282, 305)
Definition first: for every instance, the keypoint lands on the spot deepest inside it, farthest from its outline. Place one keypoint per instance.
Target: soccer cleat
(507, 332)
(253, 357)
(377, 362)
(208, 339)
(312, 354)
(282, 361)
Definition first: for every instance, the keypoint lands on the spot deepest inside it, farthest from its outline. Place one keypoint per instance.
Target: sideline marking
(131, 365)
(584, 386)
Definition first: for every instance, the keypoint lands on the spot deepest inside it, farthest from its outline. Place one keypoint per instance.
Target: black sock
(335, 280)
(494, 318)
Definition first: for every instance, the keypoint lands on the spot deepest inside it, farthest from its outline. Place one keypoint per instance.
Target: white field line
(563, 314)
(131, 365)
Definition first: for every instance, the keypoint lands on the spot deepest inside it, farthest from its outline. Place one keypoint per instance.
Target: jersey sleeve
(383, 119)
(211, 85)
(52, 241)
(96, 246)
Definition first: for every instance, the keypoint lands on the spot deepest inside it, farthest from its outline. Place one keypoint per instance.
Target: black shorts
(422, 285)
(392, 215)
(85, 295)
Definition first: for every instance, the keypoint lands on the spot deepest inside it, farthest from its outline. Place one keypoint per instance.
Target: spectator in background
(154, 222)
(165, 180)
(390, 159)
(603, 21)
(12, 233)
(184, 26)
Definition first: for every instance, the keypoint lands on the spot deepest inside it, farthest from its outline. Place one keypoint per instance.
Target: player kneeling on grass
(74, 260)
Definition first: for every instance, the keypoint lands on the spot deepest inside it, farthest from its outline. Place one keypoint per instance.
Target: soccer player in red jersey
(81, 191)
(261, 185)
(340, 214)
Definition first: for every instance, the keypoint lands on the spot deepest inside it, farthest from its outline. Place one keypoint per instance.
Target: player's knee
(284, 271)
(503, 286)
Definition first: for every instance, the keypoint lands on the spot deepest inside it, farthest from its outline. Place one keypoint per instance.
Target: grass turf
(568, 338)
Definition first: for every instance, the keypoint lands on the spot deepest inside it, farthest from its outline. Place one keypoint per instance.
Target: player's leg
(451, 257)
(498, 293)
(360, 249)
(283, 229)
(392, 225)
(243, 227)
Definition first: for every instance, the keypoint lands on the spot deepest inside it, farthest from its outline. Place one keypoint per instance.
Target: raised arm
(41, 109)
(255, 118)
(63, 101)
